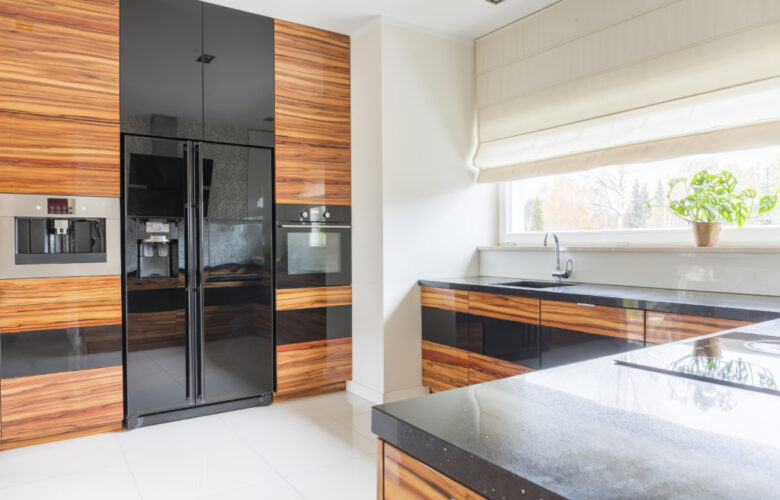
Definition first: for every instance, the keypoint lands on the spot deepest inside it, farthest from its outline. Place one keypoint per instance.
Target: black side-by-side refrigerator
(198, 278)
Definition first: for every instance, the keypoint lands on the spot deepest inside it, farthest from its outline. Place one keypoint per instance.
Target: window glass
(617, 197)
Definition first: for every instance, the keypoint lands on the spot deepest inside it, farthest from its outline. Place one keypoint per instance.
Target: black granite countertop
(596, 430)
(743, 307)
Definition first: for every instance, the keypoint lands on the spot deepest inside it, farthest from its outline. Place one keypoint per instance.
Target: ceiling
(461, 19)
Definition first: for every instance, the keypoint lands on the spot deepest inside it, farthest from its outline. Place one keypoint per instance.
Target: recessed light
(494, 2)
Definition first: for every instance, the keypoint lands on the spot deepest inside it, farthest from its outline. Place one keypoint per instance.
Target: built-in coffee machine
(51, 236)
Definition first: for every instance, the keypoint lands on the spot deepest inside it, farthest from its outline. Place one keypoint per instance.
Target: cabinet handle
(585, 305)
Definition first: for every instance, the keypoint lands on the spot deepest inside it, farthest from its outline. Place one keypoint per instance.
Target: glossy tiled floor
(313, 448)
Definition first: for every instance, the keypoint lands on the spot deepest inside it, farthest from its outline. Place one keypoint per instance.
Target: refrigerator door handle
(188, 286)
(201, 277)
(191, 280)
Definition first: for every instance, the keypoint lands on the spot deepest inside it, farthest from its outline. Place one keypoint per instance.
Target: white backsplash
(734, 272)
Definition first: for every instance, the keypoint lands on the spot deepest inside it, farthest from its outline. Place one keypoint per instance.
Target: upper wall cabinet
(192, 70)
(59, 97)
(312, 115)
(161, 77)
(238, 76)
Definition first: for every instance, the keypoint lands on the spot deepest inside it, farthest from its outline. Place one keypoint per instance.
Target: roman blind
(588, 83)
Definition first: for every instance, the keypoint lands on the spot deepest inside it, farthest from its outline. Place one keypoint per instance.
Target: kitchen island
(592, 429)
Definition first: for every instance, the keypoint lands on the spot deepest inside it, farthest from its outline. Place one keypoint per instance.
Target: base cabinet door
(444, 367)
(561, 347)
(500, 348)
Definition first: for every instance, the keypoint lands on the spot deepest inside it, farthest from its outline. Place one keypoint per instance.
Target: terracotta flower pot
(706, 234)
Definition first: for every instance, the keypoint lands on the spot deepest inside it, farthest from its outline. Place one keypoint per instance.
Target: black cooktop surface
(739, 359)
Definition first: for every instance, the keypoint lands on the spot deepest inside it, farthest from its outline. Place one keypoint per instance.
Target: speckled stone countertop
(723, 305)
(596, 430)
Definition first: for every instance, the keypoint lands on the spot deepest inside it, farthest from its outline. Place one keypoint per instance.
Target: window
(609, 205)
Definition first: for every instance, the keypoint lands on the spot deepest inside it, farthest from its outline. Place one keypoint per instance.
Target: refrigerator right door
(236, 230)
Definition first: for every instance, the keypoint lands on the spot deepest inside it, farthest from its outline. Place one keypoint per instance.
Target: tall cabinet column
(312, 100)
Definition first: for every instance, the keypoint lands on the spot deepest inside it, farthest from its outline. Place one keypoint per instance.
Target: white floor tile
(61, 458)
(114, 482)
(174, 436)
(278, 489)
(353, 479)
(200, 472)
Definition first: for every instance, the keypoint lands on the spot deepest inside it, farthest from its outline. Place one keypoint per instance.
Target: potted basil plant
(711, 199)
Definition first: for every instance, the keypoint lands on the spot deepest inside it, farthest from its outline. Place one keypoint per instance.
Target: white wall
(718, 270)
(433, 215)
(367, 309)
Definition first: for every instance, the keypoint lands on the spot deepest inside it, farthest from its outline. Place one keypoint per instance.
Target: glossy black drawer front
(507, 340)
(54, 351)
(444, 327)
(309, 325)
(561, 347)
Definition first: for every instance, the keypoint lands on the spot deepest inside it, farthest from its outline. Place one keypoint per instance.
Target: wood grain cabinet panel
(445, 298)
(444, 367)
(486, 369)
(403, 477)
(54, 316)
(665, 327)
(31, 291)
(59, 97)
(601, 320)
(59, 404)
(307, 298)
(312, 99)
(508, 307)
(310, 368)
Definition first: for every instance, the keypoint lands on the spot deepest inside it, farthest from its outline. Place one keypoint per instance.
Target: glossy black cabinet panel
(507, 340)
(295, 326)
(55, 351)
(561, 347)
(445, 327)
(238, 76)
(161, 92)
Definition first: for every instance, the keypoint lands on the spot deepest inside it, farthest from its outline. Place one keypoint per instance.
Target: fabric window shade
(566, 89)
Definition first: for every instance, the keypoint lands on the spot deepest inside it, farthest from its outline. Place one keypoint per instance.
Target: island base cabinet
(402, 477)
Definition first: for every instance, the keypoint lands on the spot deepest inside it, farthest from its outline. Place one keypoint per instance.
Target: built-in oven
(313, 246)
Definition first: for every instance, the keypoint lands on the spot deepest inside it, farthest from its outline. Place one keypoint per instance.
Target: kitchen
(231, 230)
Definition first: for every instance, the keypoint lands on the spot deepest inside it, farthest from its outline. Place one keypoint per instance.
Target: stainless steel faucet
(559, 273)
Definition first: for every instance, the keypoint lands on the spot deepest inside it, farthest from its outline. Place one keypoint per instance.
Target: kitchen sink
(534, 284)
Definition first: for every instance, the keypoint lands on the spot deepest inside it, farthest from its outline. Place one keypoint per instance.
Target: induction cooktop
(738, 359)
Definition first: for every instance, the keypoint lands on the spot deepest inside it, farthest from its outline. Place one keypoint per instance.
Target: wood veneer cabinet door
(444, 367)
(403, 477)
(59, 97)
(310, 368)
(312, 100)
(486, 368)
(45, 406)
(665, 327)
(576, 332)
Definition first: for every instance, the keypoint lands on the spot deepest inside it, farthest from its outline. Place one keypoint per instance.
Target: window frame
(748, 236)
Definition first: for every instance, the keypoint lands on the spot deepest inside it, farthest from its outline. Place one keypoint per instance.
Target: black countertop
(743, 307)
(596, 430)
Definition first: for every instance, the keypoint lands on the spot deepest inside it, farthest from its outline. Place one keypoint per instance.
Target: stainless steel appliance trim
(316, 226)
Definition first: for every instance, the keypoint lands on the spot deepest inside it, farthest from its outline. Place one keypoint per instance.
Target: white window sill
(636, 248)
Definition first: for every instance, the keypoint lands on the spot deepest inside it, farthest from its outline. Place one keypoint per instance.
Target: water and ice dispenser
(158, 243)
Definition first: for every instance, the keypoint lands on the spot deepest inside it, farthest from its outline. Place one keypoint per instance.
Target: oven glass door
(311, 256)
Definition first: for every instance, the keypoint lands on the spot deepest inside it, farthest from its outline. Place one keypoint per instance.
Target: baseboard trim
(379, 398)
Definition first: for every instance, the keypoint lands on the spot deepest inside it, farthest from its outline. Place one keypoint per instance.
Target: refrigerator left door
(157, 221)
